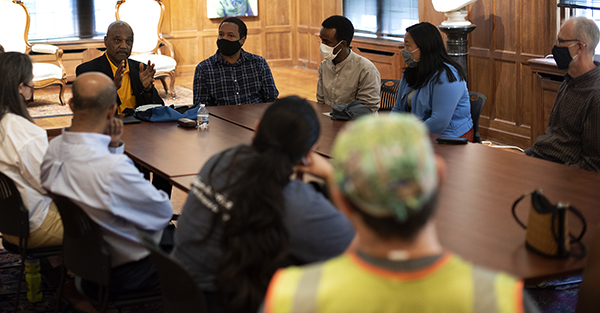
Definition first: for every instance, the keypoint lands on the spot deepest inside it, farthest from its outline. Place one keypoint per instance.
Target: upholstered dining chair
(145, 18)
(14, 28)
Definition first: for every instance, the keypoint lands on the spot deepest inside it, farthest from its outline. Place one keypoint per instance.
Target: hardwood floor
(289, 81)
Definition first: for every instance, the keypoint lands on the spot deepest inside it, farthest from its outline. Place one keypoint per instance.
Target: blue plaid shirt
(249, 80)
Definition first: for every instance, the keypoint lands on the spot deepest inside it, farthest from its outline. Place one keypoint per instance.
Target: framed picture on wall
(224, 8)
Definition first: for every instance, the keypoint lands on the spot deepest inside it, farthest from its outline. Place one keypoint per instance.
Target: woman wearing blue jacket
(433, 86)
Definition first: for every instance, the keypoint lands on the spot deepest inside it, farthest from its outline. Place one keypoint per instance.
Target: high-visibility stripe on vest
(349, 284)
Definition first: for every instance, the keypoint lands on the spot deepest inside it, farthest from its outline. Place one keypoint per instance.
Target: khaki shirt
(355, 78)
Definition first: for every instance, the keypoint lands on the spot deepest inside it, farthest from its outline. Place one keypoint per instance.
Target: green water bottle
(34, 279)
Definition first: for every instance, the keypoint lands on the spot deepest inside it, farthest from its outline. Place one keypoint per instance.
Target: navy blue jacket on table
(443, 106)
(101, 64)
(248, 80)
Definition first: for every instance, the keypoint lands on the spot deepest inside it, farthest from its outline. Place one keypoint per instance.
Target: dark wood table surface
(248, 114)
(183, 182)
(170, 150)
(474, 212)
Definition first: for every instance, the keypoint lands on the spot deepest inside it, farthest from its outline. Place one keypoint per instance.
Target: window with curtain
(60, 20)
(382, 18)
(587, 8)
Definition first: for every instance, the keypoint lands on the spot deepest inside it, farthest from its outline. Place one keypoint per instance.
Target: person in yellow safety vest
(388, 179)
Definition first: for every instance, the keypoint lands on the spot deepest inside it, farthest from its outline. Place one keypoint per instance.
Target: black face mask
(228, 48)
(562, 57)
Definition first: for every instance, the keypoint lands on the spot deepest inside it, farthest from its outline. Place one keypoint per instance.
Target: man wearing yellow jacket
(388, 179)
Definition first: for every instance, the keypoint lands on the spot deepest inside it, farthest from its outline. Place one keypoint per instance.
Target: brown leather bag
(548, 227)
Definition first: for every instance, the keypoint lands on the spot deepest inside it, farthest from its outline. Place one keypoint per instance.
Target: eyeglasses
(24, 84)
(561, 41)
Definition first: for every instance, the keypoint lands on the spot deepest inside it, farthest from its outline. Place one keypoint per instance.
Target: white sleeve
(30, 157)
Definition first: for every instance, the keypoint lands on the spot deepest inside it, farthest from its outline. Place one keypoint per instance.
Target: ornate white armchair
(145, 18)
(14, 22)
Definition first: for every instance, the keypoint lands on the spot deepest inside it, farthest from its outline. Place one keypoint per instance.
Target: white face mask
(327, 51)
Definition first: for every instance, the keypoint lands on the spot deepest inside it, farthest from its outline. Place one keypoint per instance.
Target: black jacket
(101, 64)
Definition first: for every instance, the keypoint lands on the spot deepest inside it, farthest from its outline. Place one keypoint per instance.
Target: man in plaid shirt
(573, 134)
(233, 76)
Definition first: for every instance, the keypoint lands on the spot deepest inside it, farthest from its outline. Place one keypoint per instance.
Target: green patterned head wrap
(385, 165)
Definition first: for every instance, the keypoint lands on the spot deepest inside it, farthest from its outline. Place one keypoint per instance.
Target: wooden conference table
(247, 115)
(474, 212)
(170, 151)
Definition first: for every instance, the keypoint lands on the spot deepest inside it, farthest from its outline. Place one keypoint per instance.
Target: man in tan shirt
(345, 76)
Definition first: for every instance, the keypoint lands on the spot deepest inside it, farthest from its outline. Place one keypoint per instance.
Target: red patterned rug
(48, 105)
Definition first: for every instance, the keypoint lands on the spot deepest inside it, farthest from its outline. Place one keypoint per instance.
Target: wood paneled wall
(285, 32)
(508, 34)
(310, 14)
(271, 34)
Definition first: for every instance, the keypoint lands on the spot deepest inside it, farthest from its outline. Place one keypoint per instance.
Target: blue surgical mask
(408, 58)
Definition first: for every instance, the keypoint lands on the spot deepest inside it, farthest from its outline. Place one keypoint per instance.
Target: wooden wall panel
(508, 34)
(278, 13)
(525, 111)
(506, 26)
(280, 46)
(537, 34)
(194, 35)
(187, 51)
(303, 13)
(181, 15)
(166, 27)
(314, 42)
(482, 16)
(311, 14)
(483, 84)
(302, 47)
(331, 7)
(209, 44)
(506, 91)
(253, 43)
(252, 22)
(316, 11)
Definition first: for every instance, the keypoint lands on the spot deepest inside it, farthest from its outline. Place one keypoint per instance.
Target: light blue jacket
(443, 106)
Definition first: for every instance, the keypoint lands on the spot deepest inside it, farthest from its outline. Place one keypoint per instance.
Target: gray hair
(586, 31)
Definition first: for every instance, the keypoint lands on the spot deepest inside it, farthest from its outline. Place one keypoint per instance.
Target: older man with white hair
(573, 133)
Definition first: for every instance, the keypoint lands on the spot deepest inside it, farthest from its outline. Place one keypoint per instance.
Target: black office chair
(477, 101)
(180, 292)
(87, 255)
(389, 90)
(14, 221)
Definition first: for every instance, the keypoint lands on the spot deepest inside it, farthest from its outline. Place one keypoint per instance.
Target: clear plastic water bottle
(202, 118)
